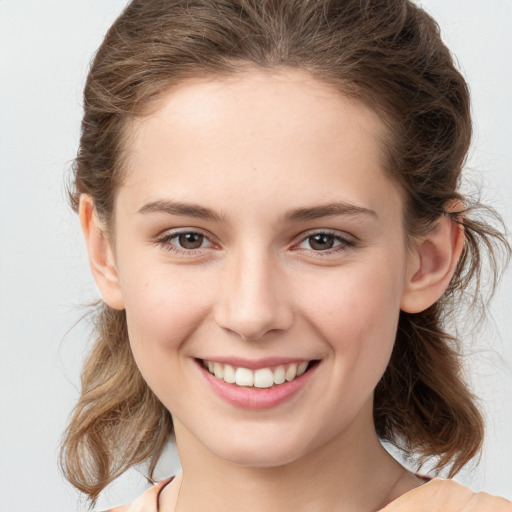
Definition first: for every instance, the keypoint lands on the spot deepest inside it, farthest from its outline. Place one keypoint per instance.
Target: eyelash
(344, 242)
(167, 241)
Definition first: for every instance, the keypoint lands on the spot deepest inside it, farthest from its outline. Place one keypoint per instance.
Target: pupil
(191, 240)
(321, 242)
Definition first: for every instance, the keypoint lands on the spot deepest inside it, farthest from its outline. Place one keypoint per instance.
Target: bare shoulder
(447, 496)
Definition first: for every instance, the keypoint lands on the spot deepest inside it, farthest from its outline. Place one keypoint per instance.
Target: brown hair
(387, 54)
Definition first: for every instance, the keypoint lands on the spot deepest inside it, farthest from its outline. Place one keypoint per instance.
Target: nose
(253, 299)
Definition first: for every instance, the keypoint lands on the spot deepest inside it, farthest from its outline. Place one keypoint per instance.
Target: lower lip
(256, 398)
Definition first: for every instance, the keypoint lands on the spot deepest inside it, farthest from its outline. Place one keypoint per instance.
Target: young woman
(269, 195)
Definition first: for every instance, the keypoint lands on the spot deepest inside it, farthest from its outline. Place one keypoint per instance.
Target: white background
(45, 48)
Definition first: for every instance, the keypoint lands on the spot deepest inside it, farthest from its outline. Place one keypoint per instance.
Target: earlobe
(432, 265)
(101, 259)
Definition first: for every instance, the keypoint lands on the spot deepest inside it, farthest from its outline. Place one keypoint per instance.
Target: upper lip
(256, 364)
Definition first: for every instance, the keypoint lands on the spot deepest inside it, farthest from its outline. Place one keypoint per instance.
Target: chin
(260, 460)
(260, 453)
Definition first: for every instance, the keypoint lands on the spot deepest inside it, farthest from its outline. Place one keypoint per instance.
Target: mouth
(261, 378)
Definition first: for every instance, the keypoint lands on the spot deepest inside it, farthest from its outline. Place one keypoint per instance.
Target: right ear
(101, 257)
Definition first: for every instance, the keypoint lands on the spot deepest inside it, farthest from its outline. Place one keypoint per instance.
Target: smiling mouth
(262, 378)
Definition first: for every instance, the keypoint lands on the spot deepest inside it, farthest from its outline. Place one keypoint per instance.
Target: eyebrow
(297, 215)
(327, 210)
(179, 208)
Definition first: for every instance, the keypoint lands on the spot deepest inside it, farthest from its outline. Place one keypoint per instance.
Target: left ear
(432, 264)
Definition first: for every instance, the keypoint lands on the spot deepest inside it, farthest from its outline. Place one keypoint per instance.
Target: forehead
(258, 131)
(304, 104)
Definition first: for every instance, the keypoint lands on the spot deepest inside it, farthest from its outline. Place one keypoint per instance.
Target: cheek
(162, 313)
(357, 313)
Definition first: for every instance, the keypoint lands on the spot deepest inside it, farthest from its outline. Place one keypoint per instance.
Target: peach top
(434, 496)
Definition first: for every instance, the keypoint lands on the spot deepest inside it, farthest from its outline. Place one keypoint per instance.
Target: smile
(265, 384)
(260, 378)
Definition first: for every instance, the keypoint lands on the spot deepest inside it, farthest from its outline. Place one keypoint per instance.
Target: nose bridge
(253, 299)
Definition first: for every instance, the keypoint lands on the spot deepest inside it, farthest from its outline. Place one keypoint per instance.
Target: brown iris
(321, 242)
(190, 240)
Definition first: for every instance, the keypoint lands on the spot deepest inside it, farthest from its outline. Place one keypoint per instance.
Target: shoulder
(146, 502)
(447, 496)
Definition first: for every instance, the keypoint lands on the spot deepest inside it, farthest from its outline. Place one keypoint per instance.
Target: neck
(350, 472)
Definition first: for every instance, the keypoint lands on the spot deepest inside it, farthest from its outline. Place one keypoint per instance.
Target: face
(256, 233)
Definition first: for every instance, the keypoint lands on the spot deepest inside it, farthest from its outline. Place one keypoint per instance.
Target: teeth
(279, 375)
(291, 373)
(218, 370)
(301, 368)
(229, 374)
(262, 378)
(244, 377)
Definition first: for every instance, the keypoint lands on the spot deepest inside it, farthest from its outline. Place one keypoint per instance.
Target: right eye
(185, 241)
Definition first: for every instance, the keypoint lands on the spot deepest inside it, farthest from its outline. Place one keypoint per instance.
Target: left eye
(323, 242)
(190, 240)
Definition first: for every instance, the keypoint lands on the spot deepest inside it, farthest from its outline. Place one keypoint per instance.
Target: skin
(253, 149)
